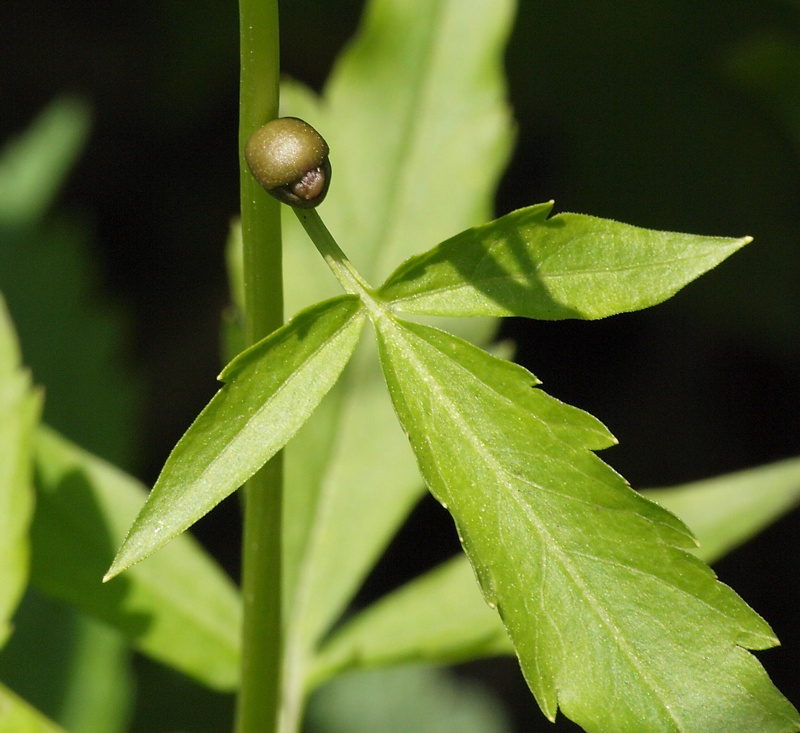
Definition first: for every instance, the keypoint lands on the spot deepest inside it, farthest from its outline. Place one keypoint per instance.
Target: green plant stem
(333, 255)
(260, 690)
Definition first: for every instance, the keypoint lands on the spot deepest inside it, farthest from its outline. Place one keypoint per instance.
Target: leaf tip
(124, 559)
(114, 570)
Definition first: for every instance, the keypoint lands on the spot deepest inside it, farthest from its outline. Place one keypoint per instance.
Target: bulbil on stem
(289, 159)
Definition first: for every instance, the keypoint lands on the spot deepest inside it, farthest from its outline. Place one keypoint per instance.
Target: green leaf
(405, 700)
(612, 620)
(726, 511)
(569, 266)
(438, 617)
(179, 608)
(19, 411)
(270, 391)
(34, 165)
(100, 686)
(387, 198)
(17, 716)
(54, 255)
(72, 668)
(421, 163)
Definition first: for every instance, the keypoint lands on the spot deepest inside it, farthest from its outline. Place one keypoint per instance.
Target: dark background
(641, 112)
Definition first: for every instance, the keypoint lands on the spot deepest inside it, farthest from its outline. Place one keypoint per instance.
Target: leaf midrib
(417, 111)
(518, 279)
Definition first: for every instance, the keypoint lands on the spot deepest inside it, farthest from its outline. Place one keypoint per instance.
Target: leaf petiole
(350, 279)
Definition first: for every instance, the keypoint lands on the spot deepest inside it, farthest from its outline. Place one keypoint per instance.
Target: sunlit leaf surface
(270, 390)
(613, 621)
(569, 266)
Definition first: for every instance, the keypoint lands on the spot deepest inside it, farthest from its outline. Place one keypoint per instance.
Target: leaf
(188, 707)
(100, 689)
(611, 619)
(382, 215)
(726, 511)
(34, 165)
(17, 716)
(179, 608)
(53, 255)
(405, 700)
(569, 266)
(438, 617)
(392, 192)
(19, 411)
(271, 389)
(73, 669)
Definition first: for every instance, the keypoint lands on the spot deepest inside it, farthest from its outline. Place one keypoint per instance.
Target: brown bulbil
(289, 158)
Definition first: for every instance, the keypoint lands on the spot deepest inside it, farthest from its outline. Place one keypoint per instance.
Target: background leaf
(100, 692)
(271, 389)
(726, 511)
(438, 617)
(441, 617)
(388, 199)
(49, 274)
(404, 700)
(17, 716)
(34, 165)
(569, 266)
(74, 669)
(179, 608)
(51, 283)
(621, 628)
(19, 412)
